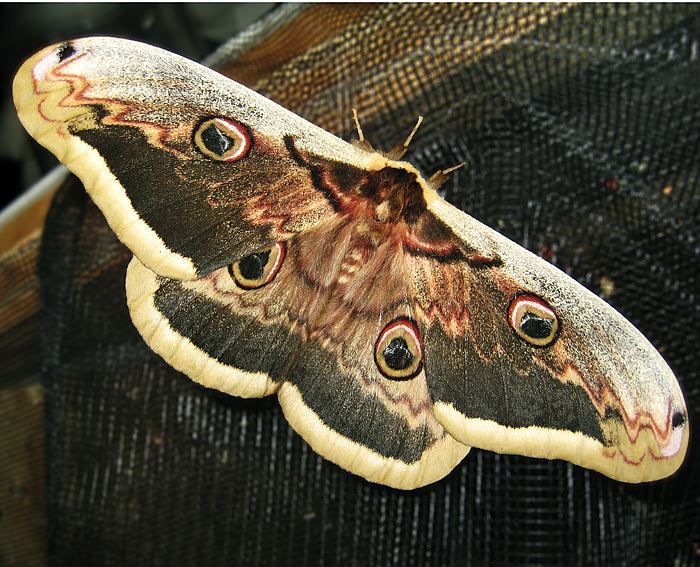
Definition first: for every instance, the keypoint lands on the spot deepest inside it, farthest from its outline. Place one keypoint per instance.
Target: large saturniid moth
(273, 257)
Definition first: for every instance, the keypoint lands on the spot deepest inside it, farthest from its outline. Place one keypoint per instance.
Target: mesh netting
(579, 129)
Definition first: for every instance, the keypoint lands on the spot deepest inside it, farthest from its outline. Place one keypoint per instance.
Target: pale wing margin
(435, 463)
(179, 351)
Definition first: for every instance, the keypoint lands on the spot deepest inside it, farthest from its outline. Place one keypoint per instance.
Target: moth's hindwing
(254, 342)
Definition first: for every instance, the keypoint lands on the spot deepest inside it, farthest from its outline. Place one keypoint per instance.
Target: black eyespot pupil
(536, 327)
(678, 419)
(65, 51)
(253, 267)
(216, 141)
(397, 355)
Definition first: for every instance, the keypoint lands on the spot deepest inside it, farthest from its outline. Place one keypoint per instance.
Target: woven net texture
(578, 126)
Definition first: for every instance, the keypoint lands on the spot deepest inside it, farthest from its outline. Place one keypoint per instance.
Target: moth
(272, 257)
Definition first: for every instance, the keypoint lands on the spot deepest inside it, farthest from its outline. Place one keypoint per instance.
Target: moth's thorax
(394, 195)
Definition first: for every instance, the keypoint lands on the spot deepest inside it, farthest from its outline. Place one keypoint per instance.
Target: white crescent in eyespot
(400, 325)
(242, 135)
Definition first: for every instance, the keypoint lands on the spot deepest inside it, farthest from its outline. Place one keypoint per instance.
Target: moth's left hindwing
(254, 342)
(273, 257)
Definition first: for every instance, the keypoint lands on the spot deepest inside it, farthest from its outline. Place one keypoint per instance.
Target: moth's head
(393, 159)
(395, 195)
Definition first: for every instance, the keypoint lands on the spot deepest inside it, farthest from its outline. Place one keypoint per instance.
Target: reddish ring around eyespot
(222, 139)
(243, 136)
(533, 320)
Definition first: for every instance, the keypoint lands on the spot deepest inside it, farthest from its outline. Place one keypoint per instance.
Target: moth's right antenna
(360, 134)
(438, 178)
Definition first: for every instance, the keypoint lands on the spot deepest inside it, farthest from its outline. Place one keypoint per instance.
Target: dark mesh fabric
(579, 129)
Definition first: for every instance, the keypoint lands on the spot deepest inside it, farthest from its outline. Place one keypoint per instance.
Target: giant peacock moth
(273, 257)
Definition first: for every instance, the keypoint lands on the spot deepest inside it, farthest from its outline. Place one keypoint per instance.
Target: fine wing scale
(273, 257)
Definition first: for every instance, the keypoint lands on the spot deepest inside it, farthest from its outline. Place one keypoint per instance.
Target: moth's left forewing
(191, 169)
(599, 395)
